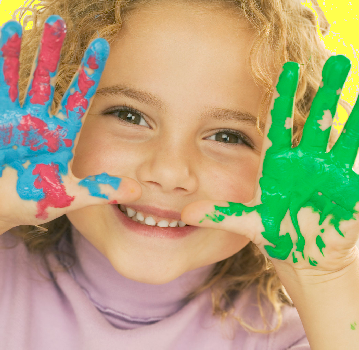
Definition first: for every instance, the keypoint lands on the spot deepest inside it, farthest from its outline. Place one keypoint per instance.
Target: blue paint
(93, 182)
(15, 154)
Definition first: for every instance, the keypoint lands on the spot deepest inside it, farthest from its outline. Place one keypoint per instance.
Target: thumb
(100, 190)
(228, 216)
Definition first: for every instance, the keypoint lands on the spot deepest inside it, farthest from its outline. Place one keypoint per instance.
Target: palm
(36, 144)
(306, 176)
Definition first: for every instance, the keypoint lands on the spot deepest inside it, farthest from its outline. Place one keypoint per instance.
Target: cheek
(99, 150)
(235, 181)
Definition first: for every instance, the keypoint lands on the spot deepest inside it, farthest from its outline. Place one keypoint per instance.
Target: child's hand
(36, 182)
(305, 210)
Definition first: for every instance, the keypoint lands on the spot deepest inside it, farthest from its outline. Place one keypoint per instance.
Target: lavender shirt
(95, 308)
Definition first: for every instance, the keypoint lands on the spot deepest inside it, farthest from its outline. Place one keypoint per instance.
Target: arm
(328, 304)
(304, 216)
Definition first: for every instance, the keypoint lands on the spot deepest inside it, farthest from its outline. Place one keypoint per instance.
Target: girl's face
(175, 110)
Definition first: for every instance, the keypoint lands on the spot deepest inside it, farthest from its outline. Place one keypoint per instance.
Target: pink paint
(5, 135)
(91, 62)
(10, 53)
(39, 131)
(113, 202)
(67, 142)
(78, 99)
(48, 58)
(55, 194)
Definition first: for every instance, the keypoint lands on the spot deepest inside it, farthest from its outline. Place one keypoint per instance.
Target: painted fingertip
(93, 184)
(51, 20)
(99, 48)
(10, 29)
(335, 71)
(288, 80)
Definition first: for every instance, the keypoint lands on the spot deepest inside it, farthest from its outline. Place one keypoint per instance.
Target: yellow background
(342, 39)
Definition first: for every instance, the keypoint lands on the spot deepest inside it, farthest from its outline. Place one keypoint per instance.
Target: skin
(330, 190)
(36, 146)
(185, 62)
(310, 177)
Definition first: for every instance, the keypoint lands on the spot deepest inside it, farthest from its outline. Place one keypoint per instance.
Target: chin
(150, 273)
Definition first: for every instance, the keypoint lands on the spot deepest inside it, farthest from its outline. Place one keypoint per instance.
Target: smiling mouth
(149, 220)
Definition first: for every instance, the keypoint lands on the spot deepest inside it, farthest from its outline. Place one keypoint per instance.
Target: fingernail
(9, 29)
(335, 71)
(288, 80)
(101, 49)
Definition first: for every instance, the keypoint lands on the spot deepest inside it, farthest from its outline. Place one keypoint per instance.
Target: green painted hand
(306, 176)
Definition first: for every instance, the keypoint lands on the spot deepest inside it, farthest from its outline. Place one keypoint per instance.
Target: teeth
(150, 221)
(163, 223)
(181, 224)
(130, 212)
(140, 217)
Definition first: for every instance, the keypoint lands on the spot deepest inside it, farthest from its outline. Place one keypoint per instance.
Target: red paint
(92, 63)
(48, 58)
(55, 194)
(67, 142)
(5, 135)
(39, 132)
(113, 202)
(10, 52)
(78, 99)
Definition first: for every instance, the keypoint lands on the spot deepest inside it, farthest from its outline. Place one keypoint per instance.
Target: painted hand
(36, 182)
(305, 209)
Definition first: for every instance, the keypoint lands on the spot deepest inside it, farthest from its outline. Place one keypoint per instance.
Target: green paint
(214, 217)
(320, 244)
(312, 262)
(353, 326)
(322, 230)
(295, 260)
(305, 176)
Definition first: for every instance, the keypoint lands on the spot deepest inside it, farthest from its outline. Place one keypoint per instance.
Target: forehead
(185, 47)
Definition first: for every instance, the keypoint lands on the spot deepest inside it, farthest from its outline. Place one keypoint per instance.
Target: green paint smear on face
(305, 176)
(353, 326)
(322, 230)
(320, 244)
(295, 260)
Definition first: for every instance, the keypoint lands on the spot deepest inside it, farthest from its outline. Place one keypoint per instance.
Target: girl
(144, 242)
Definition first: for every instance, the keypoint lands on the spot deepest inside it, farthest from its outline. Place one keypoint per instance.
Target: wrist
(308, 278)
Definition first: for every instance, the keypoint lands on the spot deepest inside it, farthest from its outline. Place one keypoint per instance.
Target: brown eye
(232, 137)
(128, 115)
(227, 137)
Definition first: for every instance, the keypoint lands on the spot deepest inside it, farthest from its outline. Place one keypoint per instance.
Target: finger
(57, 195)
(76, 101)
(102, 189)
(280, 130)
(43, 76)
(10, 44)
(346, 148)
(318, 125)
(222, 215)
(243, 220)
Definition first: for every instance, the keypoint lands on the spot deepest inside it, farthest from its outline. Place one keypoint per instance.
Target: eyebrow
(152, 100)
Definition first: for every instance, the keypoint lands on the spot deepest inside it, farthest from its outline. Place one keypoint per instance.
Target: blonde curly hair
(285, 30)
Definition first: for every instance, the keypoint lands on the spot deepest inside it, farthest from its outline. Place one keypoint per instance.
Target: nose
(169, 166)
